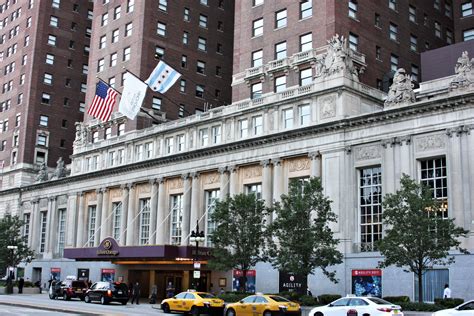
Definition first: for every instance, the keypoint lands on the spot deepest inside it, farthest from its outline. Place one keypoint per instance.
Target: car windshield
(278, 298)
(206, 295)
(379, 301)
(120, 286)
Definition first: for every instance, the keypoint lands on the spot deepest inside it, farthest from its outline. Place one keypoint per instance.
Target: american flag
(103, 102)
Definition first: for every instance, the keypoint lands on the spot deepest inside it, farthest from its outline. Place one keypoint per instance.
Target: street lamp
(197, 237)
(11, 268)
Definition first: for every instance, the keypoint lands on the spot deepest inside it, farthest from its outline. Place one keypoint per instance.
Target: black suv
(68, 289)
(106, 292)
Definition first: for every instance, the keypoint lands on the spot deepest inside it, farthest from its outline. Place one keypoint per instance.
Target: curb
(53, 309)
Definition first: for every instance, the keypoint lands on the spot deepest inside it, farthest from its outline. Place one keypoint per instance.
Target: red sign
(108, 271)
(55, 270)
(240, 273)
(368, 272)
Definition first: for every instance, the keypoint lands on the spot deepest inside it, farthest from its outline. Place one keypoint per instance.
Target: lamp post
(11, 274)
(197, 237)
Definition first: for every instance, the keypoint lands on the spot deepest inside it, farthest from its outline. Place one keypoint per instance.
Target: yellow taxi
(193, 303)
(263, 305)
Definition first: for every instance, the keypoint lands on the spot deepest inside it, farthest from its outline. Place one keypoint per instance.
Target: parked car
(193, 303)
(263, 305)
(73, 289)
(363, 305)
(106, 292)
(54, 288)
(465, 309)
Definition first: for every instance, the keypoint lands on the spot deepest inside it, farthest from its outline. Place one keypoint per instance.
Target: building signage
(83, 274)
(367, 282)
(290, 282)
(56, 274)
(237, 281)
(108, 247)
(197, 274)
(107, 275)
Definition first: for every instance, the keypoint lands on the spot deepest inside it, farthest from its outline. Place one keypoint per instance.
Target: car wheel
(65, 297)
(51, 296)
(166, 308)
(318, 314)
(267, 313)
(194, 311)
(124, 302)
(87, 299)
(230, 312)
(103, 300)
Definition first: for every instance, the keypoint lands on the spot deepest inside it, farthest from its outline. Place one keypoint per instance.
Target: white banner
(133, 94)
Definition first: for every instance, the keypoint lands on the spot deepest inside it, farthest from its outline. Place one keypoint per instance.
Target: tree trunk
(420, 286)
(243, 281)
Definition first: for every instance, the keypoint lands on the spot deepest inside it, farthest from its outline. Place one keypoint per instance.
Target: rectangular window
(186, 15)
(392, 4)
(117, 219)
(48, 78)
(393, 62)
(26, 227)
(466, 9)
(126, 53)
(280, 50)
(104, 19)
(305, 114)
(43, 120)
(139, 152)
(216, 134)
(243, 128)
(280, 19)
(433, 284)
(353, 41)
(393, 31)
(117, 12)
(199, 91)
(257, 27)
(53, 21)
(130, 5)
(202, 44)
(433, 174)
(91, 215)
(181, 110)
(306, 9)
(414, 73)
(254, 189)
(468, 35)
(176, 218)
(353, 9)
(257, 2)
(203, 21)
(128, 29)
(43, 221)
(115, 36)
(156, 104)
(50, 59)
(61, 230)
(200, 67)
(257, 124)
(436, 4)
(437, 29)
(184, 61)
(306, 42)
(412, 14)
(370, 206)
(280, 83)
(212, 197)
(163, 5)
(185, 38)
(161, 29)
(144, 211)
(449, 36)
(100, 65)
(448, 9)
(180, 142)
(169, 144)
(55, 4)
(378, 52)
(413, 43)
(51, 40)
(204, 137)
(306, 76)
(257, 58)
(288, 118)
(256, 91)
(113, 59)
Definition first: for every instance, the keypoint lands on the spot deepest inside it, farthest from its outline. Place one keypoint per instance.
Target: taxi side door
(259, 306)
(176, 303)
(188, 301)
(244, 308)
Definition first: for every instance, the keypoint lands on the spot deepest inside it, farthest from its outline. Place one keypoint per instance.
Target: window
(378, 52)
(85, 69)
(185, 38)
(41, 140)
(156, 104)
(17, 120)
(61, 230)
(414, 73)
(117, 12)
(182, 86)
(71, 44)
(121, 156)
(202, 20)
(216, 134)
(202, 43)
(257, 58)
(102, 41)
(448, 9)
(113, 59)
(243, 128)
(53, 21)
(433, 174)
(144, 211)
(393, 62)
(306, 76)
(437, 29)
(466, 9)
(43, 221)
(15, 141)
(392, 4)
(115, 36)
(45, 98)
(169, 144)
(90, 14)
(288, 118)
(200, 67)
(51, 40)
(433, 285)
(220, 26)
(204, 2)
(306, 42)
(104, 19)
(257, 27)
(26, 227)
(126, 54)
(257, 2)
(159, 52)
(305, 114)
(181, 110)
(449, 36)
(48, 79)
(50, 59)
(184, 61)
(117, 219)
(306, 9)
(353, 9)
(413, 43)
(28, 22)
(212, 197)
(280, 83)
(412, 14)
(219, 48)
(130, 5)
(468, 35)
(257, 124)
(121, 129)
(108, 133)
(55, 4)
(161, 29)
(100, 65)
(436, 4)
(176, 218)
(218, 71)
(254, 189)
(24, 59)
(199, 91)
(128, 29)
(393, 31)
(95, 136)
(204, 137)
(370, 207)
(353, 41)
(256, 90)
(280, 19)
(180, 142)
(91, 212)
(22, 79)
(280, 50)
(186, 15)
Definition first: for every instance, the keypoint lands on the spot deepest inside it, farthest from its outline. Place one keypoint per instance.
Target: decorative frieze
(367, 152)
(143, 189)
(211, 178)
(175, 183)
(430, 142)
(327, 107)
(250, 172)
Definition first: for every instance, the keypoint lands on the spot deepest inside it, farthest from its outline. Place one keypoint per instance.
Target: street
(15, 310)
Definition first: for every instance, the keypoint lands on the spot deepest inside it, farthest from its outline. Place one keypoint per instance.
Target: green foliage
(397, 299)
(307, 300)
(232, 297)
(420, 307)
(300, 239)
(10, 235)
(325, 299)
(239, 237)
(416, 237)
(448, 302)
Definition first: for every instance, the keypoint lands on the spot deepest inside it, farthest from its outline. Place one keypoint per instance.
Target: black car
(106, 292)
(68, 289)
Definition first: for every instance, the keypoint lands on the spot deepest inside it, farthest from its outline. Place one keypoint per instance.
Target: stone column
(388, 176)
(51, 227)
(267, 186)
(233, 180)
(123, 219)
(81, 222)
(106, 220)
(98, 216)
(315, 164)
(132, 237)
(71, 220)
(35, 225)
(153, 210)
(195, 205)
(224, 190)
(405, 156)
(266, 121)
(277, 179)
(161, 224)
(186, 209)
(455, 176)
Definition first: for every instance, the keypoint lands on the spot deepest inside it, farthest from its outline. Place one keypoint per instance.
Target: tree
(416, 236)
(10, 235)
(300, 237)
(239, 237)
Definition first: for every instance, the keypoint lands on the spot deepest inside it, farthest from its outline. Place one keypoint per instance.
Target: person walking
(447, 291)
(136, 293)
(169, 290)
(21, 283)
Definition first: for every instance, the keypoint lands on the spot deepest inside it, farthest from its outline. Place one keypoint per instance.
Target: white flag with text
(134, 91)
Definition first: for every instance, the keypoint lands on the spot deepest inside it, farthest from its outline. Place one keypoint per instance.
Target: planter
(26, 290)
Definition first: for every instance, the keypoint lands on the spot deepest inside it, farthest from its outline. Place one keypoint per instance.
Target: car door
(259, 305)
(465, 310)
(176, 303)
(244, 308)
(188, 301)
(338, 307)
(360, 305)
(92, 291)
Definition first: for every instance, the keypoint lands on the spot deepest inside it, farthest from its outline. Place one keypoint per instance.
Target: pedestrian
(308, 292)
(169, 290)
(447, 291)
(21, 283)
(38, 284)
(136, 293)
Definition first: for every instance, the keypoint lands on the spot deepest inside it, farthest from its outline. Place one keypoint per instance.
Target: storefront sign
(197, 274)
(237, 280)
(83, 274)
(108, 247)
(290, 282)
(107, 275)
(367, 282)
(56, 274)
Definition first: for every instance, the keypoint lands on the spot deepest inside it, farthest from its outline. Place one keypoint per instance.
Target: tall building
(464, 20)
(44, 51)
(276, 40)
(193, 37)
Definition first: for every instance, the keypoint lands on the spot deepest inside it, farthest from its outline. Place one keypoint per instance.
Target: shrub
(292, 296)
(420, 307)
(232, 297)
(307, 300)
(397, 299)
(328, 298)
(448, 302)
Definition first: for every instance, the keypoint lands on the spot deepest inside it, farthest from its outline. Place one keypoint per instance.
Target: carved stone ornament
(401, 91)
(115, 193)
(430, 142)
(337, 60)
(144, 188)
(299, 164)
(464, 72)
(42, 173)
(60, 171)
(252, 172)
(327, 107)
(367, 152)
(81, 134)
(175, 183)
(212, 178)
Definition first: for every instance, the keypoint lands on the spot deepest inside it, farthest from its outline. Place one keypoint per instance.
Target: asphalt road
(24, 311)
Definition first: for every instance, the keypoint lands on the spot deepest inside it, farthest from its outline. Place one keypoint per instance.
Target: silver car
(465, 309)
